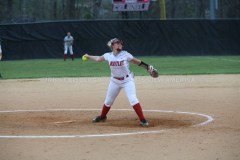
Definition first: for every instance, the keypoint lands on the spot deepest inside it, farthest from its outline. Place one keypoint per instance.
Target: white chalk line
(224, 59)
(79, 136)
(62, 122)
(209, 120)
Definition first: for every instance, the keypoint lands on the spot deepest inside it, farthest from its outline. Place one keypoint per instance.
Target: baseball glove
(153, 72)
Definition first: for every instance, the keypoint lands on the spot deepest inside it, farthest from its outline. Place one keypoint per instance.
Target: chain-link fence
(22, 11)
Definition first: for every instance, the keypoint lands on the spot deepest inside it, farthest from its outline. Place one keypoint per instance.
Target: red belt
(121, 78)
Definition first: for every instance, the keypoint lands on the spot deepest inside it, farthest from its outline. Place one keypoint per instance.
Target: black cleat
(99, 119)
(144, 123)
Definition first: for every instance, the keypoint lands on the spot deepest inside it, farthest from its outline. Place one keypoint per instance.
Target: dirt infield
(66, 106)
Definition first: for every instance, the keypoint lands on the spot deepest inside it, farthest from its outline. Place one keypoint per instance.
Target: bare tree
(10, 9)
(96, 7)
(173, 8)
(54, 9)
(23, 8)
(71, 9)
(63, 9)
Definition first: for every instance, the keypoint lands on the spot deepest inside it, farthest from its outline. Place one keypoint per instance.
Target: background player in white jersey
(121, 77)
(68, 46)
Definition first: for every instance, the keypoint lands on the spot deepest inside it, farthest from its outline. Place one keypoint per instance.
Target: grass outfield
(187, 65)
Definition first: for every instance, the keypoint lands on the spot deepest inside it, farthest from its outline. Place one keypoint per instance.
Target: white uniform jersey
(119, 64)
(0, 49)
(68, 41)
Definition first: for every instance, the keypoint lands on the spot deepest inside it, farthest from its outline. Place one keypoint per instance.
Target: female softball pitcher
(121, 77)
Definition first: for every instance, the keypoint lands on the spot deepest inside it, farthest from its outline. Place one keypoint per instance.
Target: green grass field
(183, 65)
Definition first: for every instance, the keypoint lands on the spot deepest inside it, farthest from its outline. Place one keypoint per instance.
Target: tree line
(20, 11)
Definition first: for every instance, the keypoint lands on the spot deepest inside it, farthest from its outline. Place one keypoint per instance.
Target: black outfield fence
(141, 37)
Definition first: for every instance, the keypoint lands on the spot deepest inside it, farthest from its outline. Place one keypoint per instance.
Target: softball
(84, 58)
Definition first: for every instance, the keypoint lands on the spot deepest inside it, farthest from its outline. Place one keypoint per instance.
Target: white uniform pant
(66, 48)
(114, 89)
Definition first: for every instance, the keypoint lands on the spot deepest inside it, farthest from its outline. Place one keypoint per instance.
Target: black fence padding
(141, 37)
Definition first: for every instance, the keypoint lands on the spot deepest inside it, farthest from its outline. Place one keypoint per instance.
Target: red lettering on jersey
(121, 63)
(116, 63)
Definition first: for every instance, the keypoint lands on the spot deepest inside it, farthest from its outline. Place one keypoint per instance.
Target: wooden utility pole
(162, 5)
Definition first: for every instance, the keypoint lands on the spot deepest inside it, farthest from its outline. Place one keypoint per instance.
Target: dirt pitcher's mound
(80, 122)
